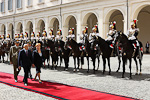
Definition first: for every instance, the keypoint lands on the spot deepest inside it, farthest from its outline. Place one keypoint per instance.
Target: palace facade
(29, 16)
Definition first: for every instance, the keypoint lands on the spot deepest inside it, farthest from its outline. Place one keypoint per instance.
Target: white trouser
(132, 38)
(109, 38)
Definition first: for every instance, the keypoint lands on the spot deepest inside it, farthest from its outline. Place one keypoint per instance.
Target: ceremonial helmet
(44, 33)
(21, 35)
(38, 34)
(26, 34)
(33, 35)
(51, 31)
(96, 27)
(71, 30)
(133, 23)
(8, 35)
(113, 25)
(59, 32)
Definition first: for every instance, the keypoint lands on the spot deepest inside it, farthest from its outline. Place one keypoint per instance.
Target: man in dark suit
(147, 47)
(25, 61)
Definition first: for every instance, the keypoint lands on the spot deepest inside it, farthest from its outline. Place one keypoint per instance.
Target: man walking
(25, 61)
(14, 50)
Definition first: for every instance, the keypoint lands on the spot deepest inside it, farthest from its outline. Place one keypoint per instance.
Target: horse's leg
(124, 62)
(140, 61)
(94, 65)
(78, 63)
(108, 59)
(82, 61)
(130, 61)
(88, 63)
(119, 63)
(104, 64)
(136, 65)
(74, 64)
(60, 60)
(98, 63)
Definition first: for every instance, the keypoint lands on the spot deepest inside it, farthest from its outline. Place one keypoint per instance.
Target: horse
(106, 51)
(65, 53)
(91, 53)
(76, 52)
(127, 53)
(2, 51)
(53, 53)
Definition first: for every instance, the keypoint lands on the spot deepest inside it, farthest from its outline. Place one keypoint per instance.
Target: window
(2, 6)
(40, 1)
(19, 3)
(29, 2)
(9, 4)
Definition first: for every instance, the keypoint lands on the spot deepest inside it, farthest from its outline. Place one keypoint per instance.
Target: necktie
(26, 53)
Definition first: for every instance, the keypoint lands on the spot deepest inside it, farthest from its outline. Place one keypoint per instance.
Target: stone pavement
(138, 87)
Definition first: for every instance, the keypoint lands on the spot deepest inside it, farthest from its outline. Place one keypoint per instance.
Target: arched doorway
(114, 15)
(54, 24)
(29, 29)
(3, 30)
(42, 27)
(91, 22)
(143, 24)
(11, 31)
(118, 17)
(19, 28)
(72, 24)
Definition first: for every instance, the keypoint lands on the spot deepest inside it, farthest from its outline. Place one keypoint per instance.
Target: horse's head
(96, 40)
(121, 37)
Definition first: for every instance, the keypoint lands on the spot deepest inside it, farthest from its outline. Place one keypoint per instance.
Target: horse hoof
(74, 70)
(109, 73)
(117, 71)
(87, 71)
(136, 73)
(77, 70)
(66, 69)
(140, 73)
(122, 76)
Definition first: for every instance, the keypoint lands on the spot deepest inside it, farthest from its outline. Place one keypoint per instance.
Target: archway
(29, 29)
(19, 28)
(91, 21)
(143, 24)
(41, 27)
(70, 22)
(11, 30)
(54, 24)
(3, 30)
(114, 15)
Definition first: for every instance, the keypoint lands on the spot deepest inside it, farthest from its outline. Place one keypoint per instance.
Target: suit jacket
(14, 54)
(25, 60)
(37, 59)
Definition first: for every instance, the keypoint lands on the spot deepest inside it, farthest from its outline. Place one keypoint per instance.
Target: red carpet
(59, 91)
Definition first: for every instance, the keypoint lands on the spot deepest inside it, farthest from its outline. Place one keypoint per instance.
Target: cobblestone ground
(138, 87)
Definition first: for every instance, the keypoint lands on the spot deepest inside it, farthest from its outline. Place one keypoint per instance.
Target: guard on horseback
(8, 37)
(82, 38)
(92, 35)
(71, 34)
(33, 39)
(111, 34)
(132, 35)
(39, 39)
(59, 35)
(51, 35)
(25, 38)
